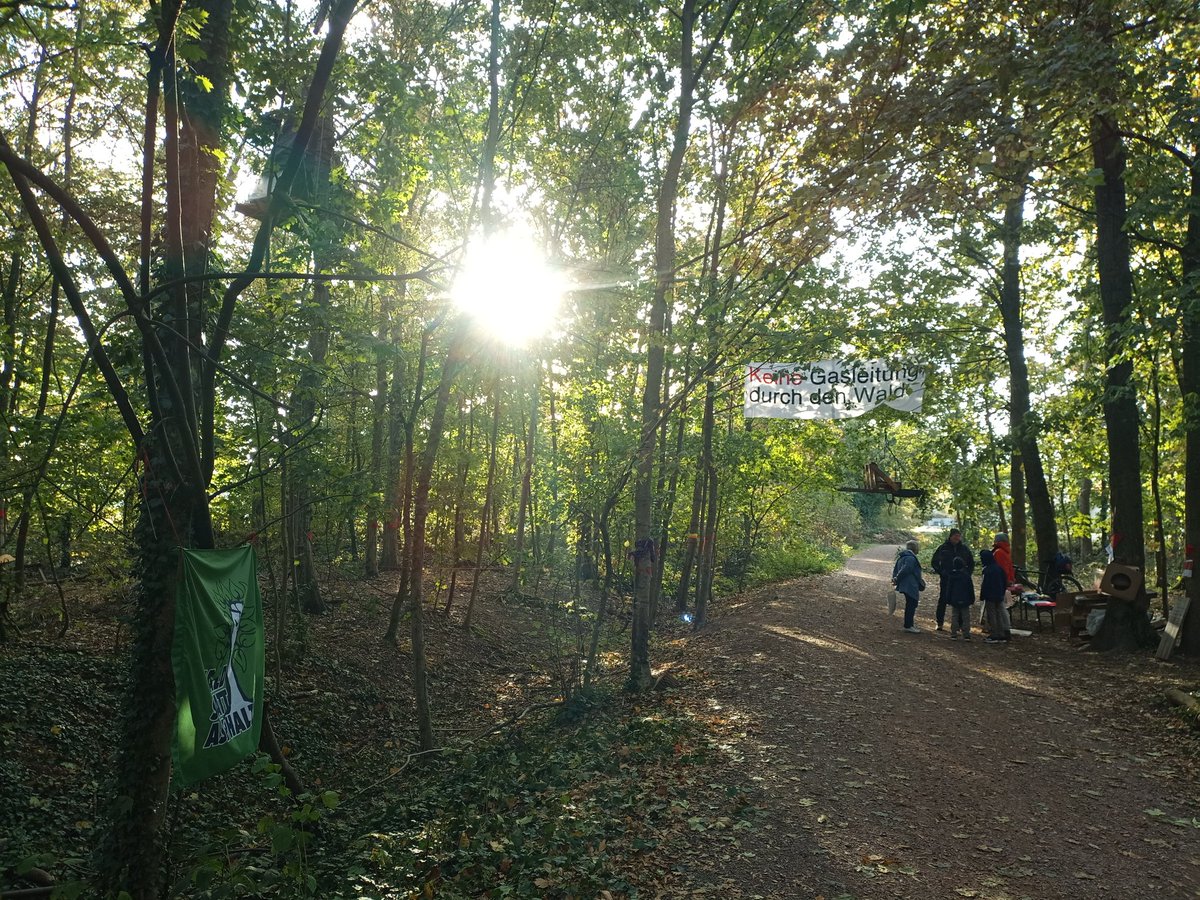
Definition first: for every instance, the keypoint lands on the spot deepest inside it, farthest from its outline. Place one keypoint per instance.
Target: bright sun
(507, 287)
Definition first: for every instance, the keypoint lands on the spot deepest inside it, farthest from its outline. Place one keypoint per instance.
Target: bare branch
(71, 289)
(323, 277)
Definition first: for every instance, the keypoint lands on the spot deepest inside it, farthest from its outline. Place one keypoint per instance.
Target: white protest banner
(831, 389)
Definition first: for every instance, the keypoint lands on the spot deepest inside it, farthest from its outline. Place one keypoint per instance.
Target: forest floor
(801, 746)
(886, 764)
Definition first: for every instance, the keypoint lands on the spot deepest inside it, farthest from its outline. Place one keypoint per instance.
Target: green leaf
(282, 839)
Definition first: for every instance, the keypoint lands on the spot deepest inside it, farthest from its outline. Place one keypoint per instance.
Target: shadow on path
(894, 765)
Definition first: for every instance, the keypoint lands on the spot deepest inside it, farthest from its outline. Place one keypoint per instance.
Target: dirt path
(887, 764)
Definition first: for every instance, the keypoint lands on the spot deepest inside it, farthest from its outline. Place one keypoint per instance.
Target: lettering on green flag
(218, 660)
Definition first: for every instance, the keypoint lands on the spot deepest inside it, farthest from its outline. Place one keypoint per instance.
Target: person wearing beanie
(993, 593)
(943, 564)
(1002, 552)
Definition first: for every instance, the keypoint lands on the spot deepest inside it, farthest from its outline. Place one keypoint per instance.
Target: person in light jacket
(906, 576)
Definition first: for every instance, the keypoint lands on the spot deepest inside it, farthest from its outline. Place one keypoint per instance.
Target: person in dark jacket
(1002, 551)
(993, 591)
(960, 595)
(906, 576)
(943, 563)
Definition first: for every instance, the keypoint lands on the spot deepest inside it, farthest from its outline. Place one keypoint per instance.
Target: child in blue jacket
(960, 595)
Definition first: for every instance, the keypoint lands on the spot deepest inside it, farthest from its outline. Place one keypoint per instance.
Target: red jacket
(1003, 554)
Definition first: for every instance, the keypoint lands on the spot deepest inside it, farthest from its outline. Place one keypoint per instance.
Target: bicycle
(1055, 580)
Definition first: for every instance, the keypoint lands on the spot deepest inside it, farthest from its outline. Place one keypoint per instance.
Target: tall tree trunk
(1104, 535)
(133, 845)
(193, 154)
(176, 452)
(523, 505)
(1190, 388)
(1121, 415)
(466, 438)
(489, 499)
(708, 553)
(1084, 511)
(1023, 426)
(554, 516)
(664, 267)
(454, 358)
(994, 453)
(663, 500)
(304, 400)
(699, 487)
(668, 505)
(375, 508)
(173, 514)
(1160, 537)
(1018, 533)
(175, 476)
(708, 534)
(404, 512)
(304, 412)
(393, 502)
(1123, 625)
(589, 671)
(693, 539)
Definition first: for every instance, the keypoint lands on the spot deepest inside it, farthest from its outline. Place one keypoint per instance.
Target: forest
(445, 309)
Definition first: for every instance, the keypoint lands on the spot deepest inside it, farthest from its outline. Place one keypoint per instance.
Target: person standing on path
(906, 576)
(960, 594)
(943, 563)
(1002, 552)
(994, 594)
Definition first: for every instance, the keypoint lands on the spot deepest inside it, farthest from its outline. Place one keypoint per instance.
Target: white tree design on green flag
(218, 660)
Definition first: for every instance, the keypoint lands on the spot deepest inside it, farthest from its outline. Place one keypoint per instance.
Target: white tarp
(831, 389)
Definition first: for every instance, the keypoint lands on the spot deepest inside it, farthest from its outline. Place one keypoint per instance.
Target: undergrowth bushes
(545, 810)
(781, 563)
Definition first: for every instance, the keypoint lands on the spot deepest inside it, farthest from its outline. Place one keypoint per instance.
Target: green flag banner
(218, 660)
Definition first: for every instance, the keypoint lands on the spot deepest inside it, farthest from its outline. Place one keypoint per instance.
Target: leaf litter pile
(530, 796)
